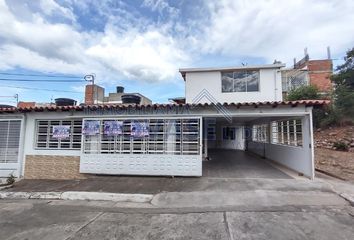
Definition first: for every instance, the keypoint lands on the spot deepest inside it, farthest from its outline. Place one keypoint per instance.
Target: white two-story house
(232, 117)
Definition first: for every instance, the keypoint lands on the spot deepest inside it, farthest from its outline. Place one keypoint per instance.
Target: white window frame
(17, 145)
(245, 81)
(260, 133)
(145, 145)
(287, 132)
(73, 145)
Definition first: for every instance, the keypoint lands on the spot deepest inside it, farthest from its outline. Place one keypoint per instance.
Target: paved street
(206, 208)
(40, 219)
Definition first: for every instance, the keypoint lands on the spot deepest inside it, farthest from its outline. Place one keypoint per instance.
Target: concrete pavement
(207, 208)
(59, 220)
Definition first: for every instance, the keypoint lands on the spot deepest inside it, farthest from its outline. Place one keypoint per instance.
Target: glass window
(240, 81)
(45, 139)
(287, 132)
(259, 133)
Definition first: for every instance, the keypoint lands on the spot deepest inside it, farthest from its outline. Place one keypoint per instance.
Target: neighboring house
(95, 94)
(308, 72)
(238, 108)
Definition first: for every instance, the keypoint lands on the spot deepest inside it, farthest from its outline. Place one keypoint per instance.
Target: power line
(39, 80)
(41, 89)
(38, 75)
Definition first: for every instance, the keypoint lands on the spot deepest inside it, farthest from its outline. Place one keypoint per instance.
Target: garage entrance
(241, 147)
(227, 163)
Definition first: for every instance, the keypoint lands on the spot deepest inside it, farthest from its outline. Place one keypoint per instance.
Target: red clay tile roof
(125, 106)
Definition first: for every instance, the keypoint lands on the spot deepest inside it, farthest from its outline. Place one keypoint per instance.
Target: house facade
(238, 84)
(237, 108)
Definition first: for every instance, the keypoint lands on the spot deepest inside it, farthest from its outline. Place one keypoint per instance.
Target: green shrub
(341, 146)
(10, 179)
(303, 93)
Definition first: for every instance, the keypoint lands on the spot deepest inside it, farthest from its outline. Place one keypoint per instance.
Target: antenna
(14, 96)
(91, 78)
(328, 52)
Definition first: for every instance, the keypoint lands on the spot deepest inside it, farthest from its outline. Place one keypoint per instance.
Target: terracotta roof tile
(125, 106)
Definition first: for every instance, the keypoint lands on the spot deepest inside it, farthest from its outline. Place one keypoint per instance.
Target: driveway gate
(142, 146)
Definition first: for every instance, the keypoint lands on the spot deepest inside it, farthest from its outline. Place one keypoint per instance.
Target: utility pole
(14, 96)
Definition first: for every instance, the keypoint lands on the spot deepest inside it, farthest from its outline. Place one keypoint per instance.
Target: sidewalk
(190, 192)
(155, 185)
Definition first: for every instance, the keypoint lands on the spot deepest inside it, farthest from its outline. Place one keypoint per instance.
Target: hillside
(328, 159)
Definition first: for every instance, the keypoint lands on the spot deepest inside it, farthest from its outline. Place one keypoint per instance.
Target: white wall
(270, 87)
(300, 159)
(237, 143)
(30, 134)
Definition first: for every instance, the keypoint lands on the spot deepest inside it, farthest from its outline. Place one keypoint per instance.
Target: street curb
(348, 197)
(6, 187)
(104, 196)
(77, 195)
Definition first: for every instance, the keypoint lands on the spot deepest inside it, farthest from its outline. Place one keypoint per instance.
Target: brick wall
(94, 94)
(319, 73)
(52, 167)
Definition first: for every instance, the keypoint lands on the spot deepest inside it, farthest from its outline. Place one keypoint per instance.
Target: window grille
(9, 140)
(287, 132)
(166, 136)
(260, 133)
(44, 134)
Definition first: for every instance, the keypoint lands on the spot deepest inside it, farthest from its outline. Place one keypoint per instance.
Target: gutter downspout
(22, 145)
(275, 85)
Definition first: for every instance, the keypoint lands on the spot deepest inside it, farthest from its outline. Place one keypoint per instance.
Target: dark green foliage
(341, 146)
(306, 93)
(343, 81)
(10, 179)
(303, 93)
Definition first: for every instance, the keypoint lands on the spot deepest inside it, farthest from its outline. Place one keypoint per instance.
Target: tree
(343, 81)
(303, 93)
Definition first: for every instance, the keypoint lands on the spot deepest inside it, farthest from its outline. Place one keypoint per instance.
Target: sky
(141, 44)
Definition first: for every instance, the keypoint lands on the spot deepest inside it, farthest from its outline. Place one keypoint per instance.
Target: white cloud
(146, 53)
(278, 29)
(150, 56)
(134, 46)
(161, 6)
(50, 7)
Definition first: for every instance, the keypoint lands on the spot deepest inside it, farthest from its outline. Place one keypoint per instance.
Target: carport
(228, 163)
(248, 140)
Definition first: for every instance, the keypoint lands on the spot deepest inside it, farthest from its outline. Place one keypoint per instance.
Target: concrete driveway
(226, 163)
(227, 169)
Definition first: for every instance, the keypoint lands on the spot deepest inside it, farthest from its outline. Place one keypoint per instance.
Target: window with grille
(260, 133)
(45, 139)
(287, 132)
(9, 140)
(166, 136)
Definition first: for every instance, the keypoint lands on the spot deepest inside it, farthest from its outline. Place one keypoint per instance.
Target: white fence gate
(9, 147)
(171, 146)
